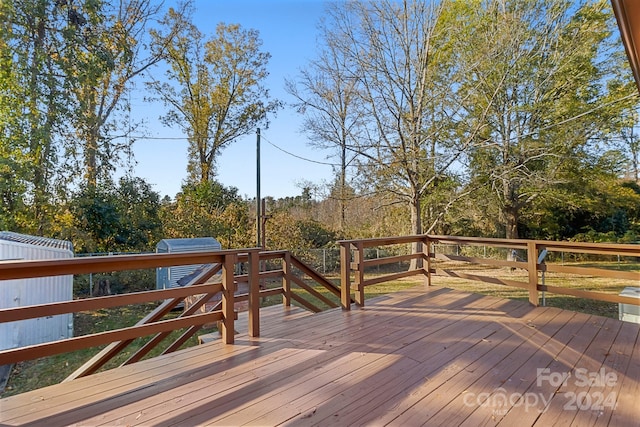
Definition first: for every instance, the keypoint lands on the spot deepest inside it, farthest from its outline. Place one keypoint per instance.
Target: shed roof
(36, 240)
(189, 244)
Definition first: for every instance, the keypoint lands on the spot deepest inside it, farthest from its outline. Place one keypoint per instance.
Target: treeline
(130, 217)
(497, 118)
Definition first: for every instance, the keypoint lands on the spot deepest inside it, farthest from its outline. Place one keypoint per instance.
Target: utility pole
(264, 219)
(258, 204)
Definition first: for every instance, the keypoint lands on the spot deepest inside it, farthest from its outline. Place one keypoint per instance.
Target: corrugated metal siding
(188, 245)
(167, 277)
(36, 240)
(19, 293)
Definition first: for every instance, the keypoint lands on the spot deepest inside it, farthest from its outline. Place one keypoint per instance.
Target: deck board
(425, 355)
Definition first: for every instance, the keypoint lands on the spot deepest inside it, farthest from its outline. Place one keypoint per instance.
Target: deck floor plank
(617, 362)
(359, 382)
(352, 340)
(578, 336)
(627, 410)
(474, 378)
(434, 354)
(407, 358)
(437, 374)
(561, 411)
(505, 381)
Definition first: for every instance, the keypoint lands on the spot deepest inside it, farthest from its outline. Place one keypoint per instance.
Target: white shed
(168, 277)
(24, 292)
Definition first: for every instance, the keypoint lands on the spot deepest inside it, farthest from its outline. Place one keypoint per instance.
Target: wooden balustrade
(353, 280)
(155, 323)
(152, 323)
(353, 264)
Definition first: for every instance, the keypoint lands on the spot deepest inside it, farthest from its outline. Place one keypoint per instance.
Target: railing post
(286, 279)
(426, 247)
(254, 293)
(345, 275)
(228, 303)
(359, 279)
(532, 268)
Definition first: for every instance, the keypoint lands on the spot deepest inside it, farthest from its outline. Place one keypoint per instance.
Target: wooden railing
(152, 324)
(292, 272)
(284, 266)
(533, 262)
(155, 322)
(353, 265)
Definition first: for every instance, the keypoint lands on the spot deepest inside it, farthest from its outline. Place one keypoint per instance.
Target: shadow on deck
(426, 355)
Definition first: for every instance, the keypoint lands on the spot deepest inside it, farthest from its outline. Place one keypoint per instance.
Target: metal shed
(168, 277)
(24, 292)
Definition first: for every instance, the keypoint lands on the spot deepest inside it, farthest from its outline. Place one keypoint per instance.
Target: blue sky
(288, 31)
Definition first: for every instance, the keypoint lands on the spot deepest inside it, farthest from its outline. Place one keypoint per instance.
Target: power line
(552, 125)
(184, 138)
(157, 138)
(297, 156)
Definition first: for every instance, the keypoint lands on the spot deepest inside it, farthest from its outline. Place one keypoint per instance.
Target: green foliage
(120, 282)
(213, 87)
(314, 235)
(64, 68)
(208, 209)
(502, 124)
(103, 56)
(33, 103)
(122, 218)
(546, 65)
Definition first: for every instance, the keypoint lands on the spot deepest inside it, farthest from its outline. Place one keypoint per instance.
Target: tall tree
(631, 144)
(214, 89)
(548, 62)
(106, 54)
(34, 38)
(65, 68)
(409, 77)
(13, 147)
(327, 94)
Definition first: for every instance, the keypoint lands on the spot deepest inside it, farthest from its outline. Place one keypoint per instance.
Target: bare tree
(410, 76)
(328, 95)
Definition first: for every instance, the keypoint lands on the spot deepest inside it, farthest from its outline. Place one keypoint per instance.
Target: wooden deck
(424, 356)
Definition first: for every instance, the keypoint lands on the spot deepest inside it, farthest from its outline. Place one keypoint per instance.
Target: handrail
(154, 323)
(60, 267)
(352, 259)
(353, 264)
(151, 324)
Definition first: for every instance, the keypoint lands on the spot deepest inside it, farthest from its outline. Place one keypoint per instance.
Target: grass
(35, 374)
(570, 281)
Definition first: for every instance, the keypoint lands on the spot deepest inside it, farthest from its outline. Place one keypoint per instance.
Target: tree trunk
(90, 161)
(511, 229)
(343, 184)
(416, 228)
(511, 223)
